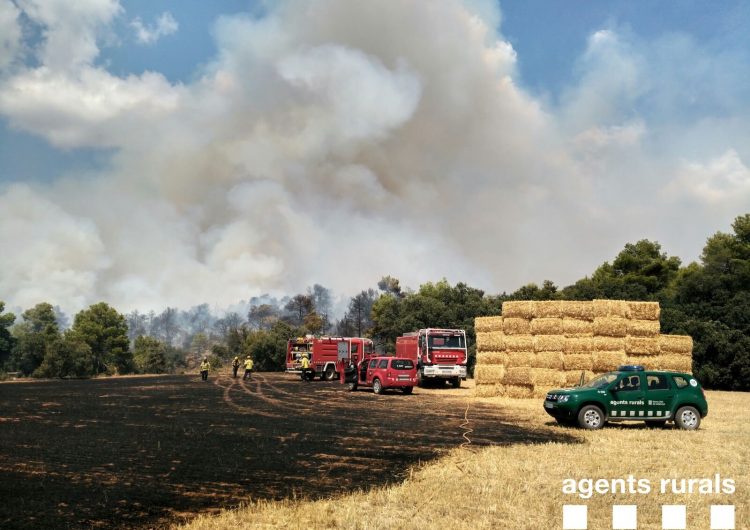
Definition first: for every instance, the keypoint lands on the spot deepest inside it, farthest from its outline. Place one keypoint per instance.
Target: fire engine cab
(440, 354)
(324, 353)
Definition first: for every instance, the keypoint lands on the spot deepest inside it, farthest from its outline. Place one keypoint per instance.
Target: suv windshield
(446, 341)
(601, 381)
(402, 364)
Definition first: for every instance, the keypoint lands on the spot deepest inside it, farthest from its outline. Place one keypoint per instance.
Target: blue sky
(149, 145)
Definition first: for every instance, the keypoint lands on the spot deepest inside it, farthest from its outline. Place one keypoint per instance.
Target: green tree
(33, 336)
(7, 341)
(106, 332)
(67, 356)
(150, 355)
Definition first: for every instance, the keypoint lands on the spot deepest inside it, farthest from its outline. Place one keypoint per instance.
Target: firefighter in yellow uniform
(205, 367)
(305, 366)
(248, 368)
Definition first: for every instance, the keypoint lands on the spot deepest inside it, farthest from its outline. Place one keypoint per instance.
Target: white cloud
(10, 33)
(723, 181)
(165, 25)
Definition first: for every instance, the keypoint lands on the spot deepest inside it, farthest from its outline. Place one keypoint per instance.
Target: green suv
(631, 394)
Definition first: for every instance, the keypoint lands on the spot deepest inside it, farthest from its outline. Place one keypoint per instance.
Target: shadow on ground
(128, 452)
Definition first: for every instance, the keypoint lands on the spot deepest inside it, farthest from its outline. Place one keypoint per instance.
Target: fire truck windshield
(368, 347)
(447, 341)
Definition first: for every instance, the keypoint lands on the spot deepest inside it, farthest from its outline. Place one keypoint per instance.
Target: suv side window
(383, 363)
(628, 384)
(680, 381)
(373, 363)
(657, 382)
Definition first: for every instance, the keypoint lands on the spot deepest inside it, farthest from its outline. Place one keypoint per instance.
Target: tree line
(709, 300)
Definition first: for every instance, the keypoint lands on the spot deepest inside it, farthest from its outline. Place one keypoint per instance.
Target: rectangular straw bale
(643, 310)
(678, 363)
(532, 376)
(643, 328)
(541, 391)
(489, 373)
(519, 358)
(491, 341)
(492, 357)
(514, 343)
(610, 326)
(492, 390)
(642, 346)
(548, 309)
(577, 310)
(549, 343)
(547, 326)
(578, 361)
(676, 344)
(547, 359)
(604, 361)
(577, 327)
(608, 343)
(516, 391)
(516, 326)
(610, 308)
(573, 377)
(486, 324)
(580, 344)
(519, 309)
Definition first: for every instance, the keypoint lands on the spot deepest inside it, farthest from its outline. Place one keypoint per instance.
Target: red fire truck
(324, 353)
(440, 354)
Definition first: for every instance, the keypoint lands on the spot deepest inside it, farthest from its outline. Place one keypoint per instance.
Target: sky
(172, 153)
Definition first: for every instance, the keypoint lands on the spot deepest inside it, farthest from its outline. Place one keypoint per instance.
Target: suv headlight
(562, 398)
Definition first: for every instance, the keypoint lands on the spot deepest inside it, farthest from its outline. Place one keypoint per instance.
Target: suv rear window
(680, 381)
(402, 364)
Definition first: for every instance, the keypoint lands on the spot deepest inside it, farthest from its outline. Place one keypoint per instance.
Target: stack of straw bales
(537, 346)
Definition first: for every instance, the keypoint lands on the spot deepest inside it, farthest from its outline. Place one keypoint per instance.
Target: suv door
(659, 396)
(627, 397)
(370, 370)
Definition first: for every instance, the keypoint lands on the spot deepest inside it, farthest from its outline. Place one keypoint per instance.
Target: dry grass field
(519, 486)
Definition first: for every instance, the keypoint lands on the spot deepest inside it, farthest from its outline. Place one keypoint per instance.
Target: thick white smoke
(328, 142)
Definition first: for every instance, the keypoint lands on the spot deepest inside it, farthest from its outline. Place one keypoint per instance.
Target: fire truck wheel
(407, 389)
(456, 382)
(377, 386)
(330, 373)
(420, 379)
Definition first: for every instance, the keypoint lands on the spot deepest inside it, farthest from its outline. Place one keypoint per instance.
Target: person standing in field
(305, 366)
(248, 368)
(235, 366)
(205, 367)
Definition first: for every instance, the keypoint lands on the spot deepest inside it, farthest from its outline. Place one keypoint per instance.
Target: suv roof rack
(630, 368)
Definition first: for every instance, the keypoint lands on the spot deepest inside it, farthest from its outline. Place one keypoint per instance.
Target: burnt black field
(151, 451)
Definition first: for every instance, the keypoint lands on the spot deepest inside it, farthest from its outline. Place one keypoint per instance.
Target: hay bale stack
(580, 344)
(516, 391)
(612, 326)
(515, 359)
(643, 328)
(489, 373)
(643, 310)
(608, 343)
(678, 363)
(491, 341)
(547, 359)
(516, 326)
(577, 327)
(488, 324)
(610, 308)
(549, 343)
(548, 309)
(577, 361)
(573, 377)
(547, 326)
(492, 357)
(487, 390)
(533, 376)
(577, 310)
(516, 343)
(642, 346)
(676, 344)
(604, 361)
(519, 309)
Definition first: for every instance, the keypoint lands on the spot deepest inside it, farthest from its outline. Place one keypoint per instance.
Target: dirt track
(147, 451)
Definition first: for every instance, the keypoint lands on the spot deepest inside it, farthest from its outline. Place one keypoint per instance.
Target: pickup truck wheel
(456, 382)
(330, 373)
(377, 386)
(591, 417)
(407, 389)
(687, 418)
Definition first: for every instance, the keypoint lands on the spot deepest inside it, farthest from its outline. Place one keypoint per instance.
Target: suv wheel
(377, 386)
(687, 418)
(407, 389)
(590, 417)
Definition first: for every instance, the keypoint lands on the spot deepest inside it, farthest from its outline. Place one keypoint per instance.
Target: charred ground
(149, 451)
